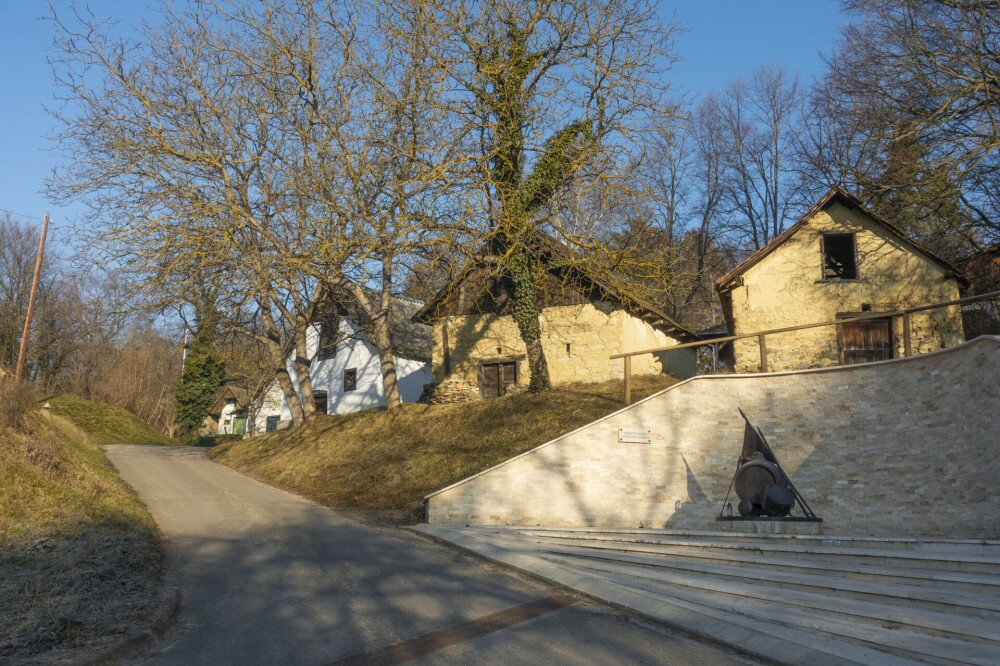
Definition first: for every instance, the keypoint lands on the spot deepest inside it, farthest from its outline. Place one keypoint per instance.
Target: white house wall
(328, 375)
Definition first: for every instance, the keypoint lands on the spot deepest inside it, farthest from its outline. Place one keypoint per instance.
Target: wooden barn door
(864, 341)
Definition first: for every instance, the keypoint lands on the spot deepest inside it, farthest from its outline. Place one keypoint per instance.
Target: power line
(14, 212)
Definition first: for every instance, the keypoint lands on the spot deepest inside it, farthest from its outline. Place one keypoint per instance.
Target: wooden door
(494, 378)
(864, 341)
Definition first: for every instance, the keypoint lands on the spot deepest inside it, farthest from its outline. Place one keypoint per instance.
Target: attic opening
(839, 257)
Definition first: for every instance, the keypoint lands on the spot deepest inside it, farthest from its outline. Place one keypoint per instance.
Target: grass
(106, 424)
(383, 463)
(80, 560)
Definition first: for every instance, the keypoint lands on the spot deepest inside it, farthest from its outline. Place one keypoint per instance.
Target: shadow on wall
(907, 446)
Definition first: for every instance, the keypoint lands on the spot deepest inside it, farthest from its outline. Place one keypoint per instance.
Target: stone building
(478, 351)
(838, 260)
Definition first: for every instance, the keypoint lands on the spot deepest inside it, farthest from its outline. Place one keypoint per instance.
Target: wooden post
(22, 353)
(907, 345)
(763, 352)
(628, 380)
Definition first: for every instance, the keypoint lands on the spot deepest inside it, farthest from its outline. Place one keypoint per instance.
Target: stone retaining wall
(903, 447)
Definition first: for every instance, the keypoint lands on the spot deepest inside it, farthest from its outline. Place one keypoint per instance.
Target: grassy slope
(106, 424)
(386, 462)
(80, 561)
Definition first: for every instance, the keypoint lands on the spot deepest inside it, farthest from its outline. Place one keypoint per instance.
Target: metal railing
(903, 314)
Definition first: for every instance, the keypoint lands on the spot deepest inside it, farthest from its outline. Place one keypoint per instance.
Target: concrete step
(755, 551)
(931, 545)
(902, 594)
(948, 625)
(839, 632)
(768, 640)
(655, 555)
(793, 601)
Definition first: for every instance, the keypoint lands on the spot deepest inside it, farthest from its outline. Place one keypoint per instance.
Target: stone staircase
(787, 598)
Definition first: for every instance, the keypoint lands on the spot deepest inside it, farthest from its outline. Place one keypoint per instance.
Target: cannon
(759, 481)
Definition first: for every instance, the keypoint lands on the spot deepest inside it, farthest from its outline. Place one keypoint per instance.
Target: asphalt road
(270, 578)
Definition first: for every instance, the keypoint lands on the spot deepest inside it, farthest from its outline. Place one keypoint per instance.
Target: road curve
(270, 578)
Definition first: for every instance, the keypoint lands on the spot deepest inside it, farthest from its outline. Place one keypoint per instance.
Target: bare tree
(908, 115)
(283, 155)
(759, 119)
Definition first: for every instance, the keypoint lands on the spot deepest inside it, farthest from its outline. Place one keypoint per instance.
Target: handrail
(904, 313)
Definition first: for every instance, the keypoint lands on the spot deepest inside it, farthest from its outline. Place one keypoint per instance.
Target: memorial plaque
(634, 435)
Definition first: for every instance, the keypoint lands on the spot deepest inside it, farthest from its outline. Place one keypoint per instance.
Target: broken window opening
(839, 257)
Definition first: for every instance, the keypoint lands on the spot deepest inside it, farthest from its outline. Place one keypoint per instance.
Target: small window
(328, 334)
(272, 423)
(569, 349)
(319, 399)
(350, 380)
(839, 257)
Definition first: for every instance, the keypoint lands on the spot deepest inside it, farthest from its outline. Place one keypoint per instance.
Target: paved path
(268, 577)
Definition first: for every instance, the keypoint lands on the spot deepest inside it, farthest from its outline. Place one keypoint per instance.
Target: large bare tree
(280, 155)
(554, 92)
(909, 115)
(758, 118)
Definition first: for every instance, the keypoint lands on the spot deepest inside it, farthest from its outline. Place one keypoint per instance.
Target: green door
(239, 425)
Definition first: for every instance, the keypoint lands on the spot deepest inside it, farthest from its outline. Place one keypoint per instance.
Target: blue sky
(725, 39)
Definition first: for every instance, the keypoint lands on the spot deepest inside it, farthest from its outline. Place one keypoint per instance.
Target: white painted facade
(227, 417)
(353, 352)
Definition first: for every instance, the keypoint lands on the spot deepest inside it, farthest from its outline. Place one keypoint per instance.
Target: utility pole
(23, 352)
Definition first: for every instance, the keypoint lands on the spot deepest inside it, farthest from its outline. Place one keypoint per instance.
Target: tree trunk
(524, 308)
(387, 361)
(284, 379)
(279, 361)
(303, 366)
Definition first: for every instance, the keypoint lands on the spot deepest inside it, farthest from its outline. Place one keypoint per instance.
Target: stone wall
(786, 289)
(907, 446)
(578, 342)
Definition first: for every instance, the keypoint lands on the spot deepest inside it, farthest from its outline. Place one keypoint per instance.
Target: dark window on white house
(350, 380)
(328, 334)
(839, 257)
(272, 423)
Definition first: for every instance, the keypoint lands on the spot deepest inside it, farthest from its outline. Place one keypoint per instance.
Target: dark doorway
(494, 378)
(864, 341)
(319, 399)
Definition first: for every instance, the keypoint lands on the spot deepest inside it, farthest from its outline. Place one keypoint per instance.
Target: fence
(761, 336)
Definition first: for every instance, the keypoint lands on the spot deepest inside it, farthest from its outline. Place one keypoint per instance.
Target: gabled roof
(633, 305)
(236, 393)
(834, 194)
(410, 339)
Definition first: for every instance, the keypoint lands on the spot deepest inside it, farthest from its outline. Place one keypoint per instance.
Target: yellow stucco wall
(786, 289)
(593, 332)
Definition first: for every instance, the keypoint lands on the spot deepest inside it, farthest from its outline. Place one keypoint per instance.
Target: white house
(228, 415)
(346, 374)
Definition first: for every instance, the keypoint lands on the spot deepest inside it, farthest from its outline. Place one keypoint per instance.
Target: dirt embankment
(381, 464)
(80, 561)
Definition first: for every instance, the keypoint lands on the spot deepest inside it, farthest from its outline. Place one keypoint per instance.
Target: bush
(16, 401)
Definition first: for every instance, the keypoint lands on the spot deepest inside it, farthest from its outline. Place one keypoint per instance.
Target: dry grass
(80, 560)
(385, 462)
(16, 402)
(106, 424)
